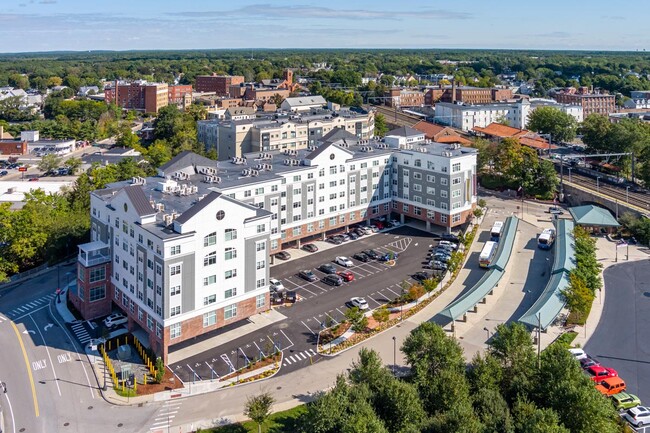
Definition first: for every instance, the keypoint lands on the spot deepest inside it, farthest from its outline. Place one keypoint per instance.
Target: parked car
(588, 362)
(421, 276)
(554, 210)
(367, 230)
(358, 302)
(374, 255)
(33, 179)
(327, 268)
(283, 255)
(386, 257)
(359, 231)
(611, 386)
(623, 401)
(115, 319)
(448, 244)
(598, 373)
(310, 248)
(307, 275)
(352, 235)
(343, 261)
(443, 250)
(638, 416)
(346, 275)
(290, 296)
(380, 225)
(437, 265)
(395, 223)
(276, 284)
(361, 257)
(450, 237)
(335, 240)
(4, 173)
(332, 280)
(374, 228)
(344, 237)
(578, 353)
(440, 257)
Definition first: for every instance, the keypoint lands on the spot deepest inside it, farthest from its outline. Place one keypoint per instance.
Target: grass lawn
(277, 423)
(566, 339)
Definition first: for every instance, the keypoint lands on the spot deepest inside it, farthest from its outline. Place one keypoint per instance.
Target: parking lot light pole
(394, 355)
(539, 340)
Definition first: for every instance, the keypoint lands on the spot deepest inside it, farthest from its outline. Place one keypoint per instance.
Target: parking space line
(196, 376)
(312, 332)
(392, 291)
(337, 309)
(373, 267)
(285, 336)
(377, 302)
(225, 358)
(335, 321)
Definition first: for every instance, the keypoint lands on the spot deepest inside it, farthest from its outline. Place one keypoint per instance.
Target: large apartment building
(144, 96)
(188, 251)
(466, 94)
(220, 84)
(598, 103)
(294, 131)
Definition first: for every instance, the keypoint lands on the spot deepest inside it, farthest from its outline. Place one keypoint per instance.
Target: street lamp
(598, 184)
(569, 168)
(488, 333)
(627, 194)
(394, 355)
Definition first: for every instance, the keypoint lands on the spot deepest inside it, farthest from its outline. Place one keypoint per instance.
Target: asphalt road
(318, 303)
(50, 384)
(620, 339)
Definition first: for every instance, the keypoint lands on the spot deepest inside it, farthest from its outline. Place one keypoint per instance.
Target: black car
(450, 237)
(437, 265)
(587, 362)
(283, 255)
(335, 240)
(359, 231)
(307, 275)
(353, 235)
(310, 248)
(4, 173)
(421, 276)
(372, 254)
(290, 296)
(327, 268)
(332, 280)
(361, 257)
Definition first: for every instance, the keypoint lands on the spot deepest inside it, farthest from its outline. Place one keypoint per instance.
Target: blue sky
(50, 25)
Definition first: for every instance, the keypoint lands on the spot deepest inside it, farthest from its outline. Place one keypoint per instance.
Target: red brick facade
(220, 84)
(470, 95)
(13, 148)
(81, 299)
(438, 218)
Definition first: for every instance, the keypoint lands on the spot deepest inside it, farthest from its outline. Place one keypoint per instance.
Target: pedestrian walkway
(80, 332)
(30, 307)
(297, 357)
(165, 416)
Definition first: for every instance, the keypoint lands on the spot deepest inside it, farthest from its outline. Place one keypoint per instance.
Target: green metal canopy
(590, 215)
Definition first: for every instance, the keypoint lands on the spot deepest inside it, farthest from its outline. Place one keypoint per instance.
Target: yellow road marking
(29, 370)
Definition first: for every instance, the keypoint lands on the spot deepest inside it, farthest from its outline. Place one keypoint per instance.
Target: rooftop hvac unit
(259, 167)
(201, 197)
(160, 207)
(287, 162)
(255, 173)
(268, 167)
(207, 179)
(167, 219)
(246, 172)
(217, 179)
(194, 189)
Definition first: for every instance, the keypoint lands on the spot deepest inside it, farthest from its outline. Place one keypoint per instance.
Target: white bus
(495, 233)
(487, 254)
(546, 239)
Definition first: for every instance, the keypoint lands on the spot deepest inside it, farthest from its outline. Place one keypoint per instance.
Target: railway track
(640, 200)
(396, 117)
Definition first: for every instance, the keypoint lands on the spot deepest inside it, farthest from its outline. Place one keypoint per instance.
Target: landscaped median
(261, 369)
(361, 325)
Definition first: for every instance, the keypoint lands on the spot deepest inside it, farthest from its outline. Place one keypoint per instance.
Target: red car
(346, 275)
(598, 373)
(380, 225)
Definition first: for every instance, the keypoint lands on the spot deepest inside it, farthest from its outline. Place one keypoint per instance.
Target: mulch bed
(169, 382)
(254, 366)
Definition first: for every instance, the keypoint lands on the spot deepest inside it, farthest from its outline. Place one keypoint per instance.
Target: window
(82, 275)
(174, 270)
(211, 279)
(297, 191)
(159, 330)
(210, 239)
(230, 311)
(455, 218)
(260, 301)
(175, 311)
(149, 323)
(431, 202)
(431, 191)
(230, 293)
(443, 193)
(176, 249)
(259, 191)
(417, 187)
(443, 218)
(97, 274)
(140, 314)
(260, 246)
(231, 273)
(150, 263)
(209, 299)
(175, 330)
(261, 228)
(260, 283)
(209, 319)
(417, 210)
(297, 204)
(455, 193)
(274, 188)
(405, 208)
(417, 163)
(405, 172)
(231, 234)
(175, 290)
(97, 293)
(247, 193)
(296, 230)
(431, 178)
(455, 167)
(261, 264)
(456, 181)
(417, 176)
(230, 253)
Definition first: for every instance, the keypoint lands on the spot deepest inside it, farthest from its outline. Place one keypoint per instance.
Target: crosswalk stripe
(303, 355)
(287, 360)
(312, 352)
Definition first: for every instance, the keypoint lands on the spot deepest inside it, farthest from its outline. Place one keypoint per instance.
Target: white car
(374, 228)
(276, 284)
(395, 223)
(638, 416)
(343, 261)
(367, 230)
(578, 353)
(448, 244)
(115, 319)
(360, 303)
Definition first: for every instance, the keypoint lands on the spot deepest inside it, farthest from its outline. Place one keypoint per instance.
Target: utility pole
(539, 340)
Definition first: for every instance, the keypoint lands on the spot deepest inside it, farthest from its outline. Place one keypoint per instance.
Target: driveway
(621, 339)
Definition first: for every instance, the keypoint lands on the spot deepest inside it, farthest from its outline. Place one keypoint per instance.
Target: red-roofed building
(497, 131)
(440, 134)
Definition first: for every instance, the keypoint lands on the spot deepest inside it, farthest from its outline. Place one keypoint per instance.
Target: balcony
(94, 253)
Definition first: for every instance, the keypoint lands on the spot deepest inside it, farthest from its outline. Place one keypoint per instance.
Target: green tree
(550, 120)
(54, 81)
(512, 346)
(595, 130)
(381, 128)
(530, 419)
(357, 319)
(381, 315)
(73, 164)
(20, 81)
(158, 153)
(258, 408)
(126, 138)
(49, 163)
(493, 411)
(578, 297)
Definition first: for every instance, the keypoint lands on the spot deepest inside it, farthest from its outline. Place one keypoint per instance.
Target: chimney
(453, 90)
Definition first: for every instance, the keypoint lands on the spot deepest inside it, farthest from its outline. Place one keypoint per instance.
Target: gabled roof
(139, 200)
(590, 215)
(449, 139)
(338, 134)
(239, 111)
(536, 143)
(404, 131)
(322, 148)
(429, 129)
(302, 101)
(198, 207)
(186, 159)
(501, 131)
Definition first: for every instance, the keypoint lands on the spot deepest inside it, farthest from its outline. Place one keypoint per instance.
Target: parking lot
(318, 304)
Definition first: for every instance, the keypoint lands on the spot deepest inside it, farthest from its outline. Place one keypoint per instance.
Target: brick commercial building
(404, 98)
(466, 94)
(187, 252)
(180, 95)
(13, 147)
(220, 84)
(591, 103)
